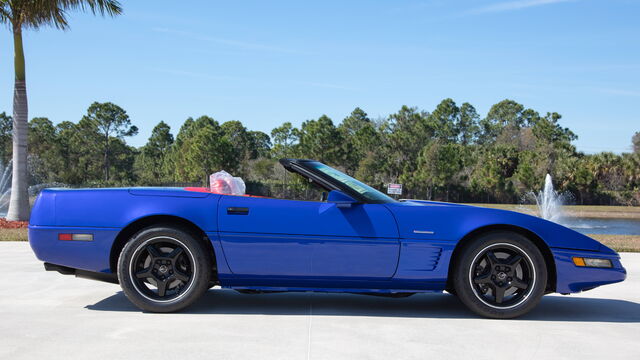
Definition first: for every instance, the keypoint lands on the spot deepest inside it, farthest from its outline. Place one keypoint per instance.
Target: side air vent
(417, 259)
(433, 258)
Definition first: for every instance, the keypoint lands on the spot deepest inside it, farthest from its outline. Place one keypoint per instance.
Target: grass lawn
(626, 243)
(13, 234)
(621, 243)
(583, 211)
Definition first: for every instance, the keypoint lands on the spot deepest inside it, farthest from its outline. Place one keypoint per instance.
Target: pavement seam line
(309, 333)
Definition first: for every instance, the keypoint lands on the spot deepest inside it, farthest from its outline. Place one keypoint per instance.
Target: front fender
(452, 222)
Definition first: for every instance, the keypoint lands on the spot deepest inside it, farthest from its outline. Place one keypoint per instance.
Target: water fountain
(5, 188)
(549, 202)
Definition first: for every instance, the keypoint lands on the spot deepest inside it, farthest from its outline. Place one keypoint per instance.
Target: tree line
(450, 153)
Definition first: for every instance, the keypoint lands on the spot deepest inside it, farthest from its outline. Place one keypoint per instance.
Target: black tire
(164, 269)
(500, 275)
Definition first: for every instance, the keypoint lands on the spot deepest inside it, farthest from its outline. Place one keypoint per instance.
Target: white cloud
(623, 92)
(228, 42)
(515, 5)
(330, 86)
(192, 74)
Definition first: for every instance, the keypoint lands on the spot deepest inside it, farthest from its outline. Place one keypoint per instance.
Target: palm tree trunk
(19, 203)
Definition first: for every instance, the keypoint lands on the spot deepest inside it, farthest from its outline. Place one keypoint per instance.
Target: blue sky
(267, 62)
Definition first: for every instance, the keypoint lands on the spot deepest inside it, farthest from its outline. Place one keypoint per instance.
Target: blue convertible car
(167, 246)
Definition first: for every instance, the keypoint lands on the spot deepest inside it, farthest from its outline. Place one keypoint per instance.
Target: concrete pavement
(50, 316)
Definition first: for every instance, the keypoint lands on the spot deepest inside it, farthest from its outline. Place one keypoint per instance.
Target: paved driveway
(44, 315)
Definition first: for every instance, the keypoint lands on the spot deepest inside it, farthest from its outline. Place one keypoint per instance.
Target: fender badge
(423, 232)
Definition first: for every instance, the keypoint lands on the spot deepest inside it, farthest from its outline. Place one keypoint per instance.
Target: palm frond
(36, 13)
(102, 7)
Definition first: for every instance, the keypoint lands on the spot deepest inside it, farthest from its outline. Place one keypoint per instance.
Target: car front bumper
(571, 278)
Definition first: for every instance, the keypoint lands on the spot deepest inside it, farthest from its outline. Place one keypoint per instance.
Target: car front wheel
(500, 275)
(164, 269)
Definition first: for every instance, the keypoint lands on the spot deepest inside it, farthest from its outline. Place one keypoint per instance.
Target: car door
(272, 237)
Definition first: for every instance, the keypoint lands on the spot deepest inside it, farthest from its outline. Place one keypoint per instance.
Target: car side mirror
(342, 200)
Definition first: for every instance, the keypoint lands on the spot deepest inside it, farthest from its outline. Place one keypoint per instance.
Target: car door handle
(237, 211)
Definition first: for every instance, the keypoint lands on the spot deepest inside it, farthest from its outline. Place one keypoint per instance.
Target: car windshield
(361, 188)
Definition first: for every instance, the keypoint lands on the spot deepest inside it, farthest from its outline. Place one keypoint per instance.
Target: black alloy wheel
(500, 274)
(164, 269)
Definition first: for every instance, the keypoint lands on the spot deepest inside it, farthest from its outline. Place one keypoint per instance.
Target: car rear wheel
(164, 269)
(500, 275)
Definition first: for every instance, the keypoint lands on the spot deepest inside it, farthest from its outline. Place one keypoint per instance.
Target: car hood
(418, 219)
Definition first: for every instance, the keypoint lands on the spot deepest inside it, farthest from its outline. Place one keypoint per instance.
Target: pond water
(603, 226)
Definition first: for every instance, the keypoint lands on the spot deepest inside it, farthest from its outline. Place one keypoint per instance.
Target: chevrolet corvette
(167, 246)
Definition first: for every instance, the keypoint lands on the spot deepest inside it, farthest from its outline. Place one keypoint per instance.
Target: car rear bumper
(84, 255)
(571, 278)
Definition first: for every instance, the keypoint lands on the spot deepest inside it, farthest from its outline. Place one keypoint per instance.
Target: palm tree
(33, 14)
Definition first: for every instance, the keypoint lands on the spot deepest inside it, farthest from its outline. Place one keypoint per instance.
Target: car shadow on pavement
(551, 308)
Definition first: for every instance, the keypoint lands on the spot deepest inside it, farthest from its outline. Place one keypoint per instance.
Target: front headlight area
(592, 262)
(581, 270)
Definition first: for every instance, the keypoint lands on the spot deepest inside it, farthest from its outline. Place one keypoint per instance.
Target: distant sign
(394, 189)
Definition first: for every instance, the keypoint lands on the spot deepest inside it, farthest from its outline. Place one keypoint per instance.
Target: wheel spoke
(514, 260)
(179, 275)
(493, 260)
(519, 284)
(499, 294)
(144, 273)
(483, 279)
(154, 252)
(175, 253)
(162, 287)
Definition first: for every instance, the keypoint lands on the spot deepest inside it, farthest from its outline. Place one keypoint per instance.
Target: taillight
(75, 237)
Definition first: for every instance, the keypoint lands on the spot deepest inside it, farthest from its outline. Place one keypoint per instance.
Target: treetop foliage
(450, 153)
